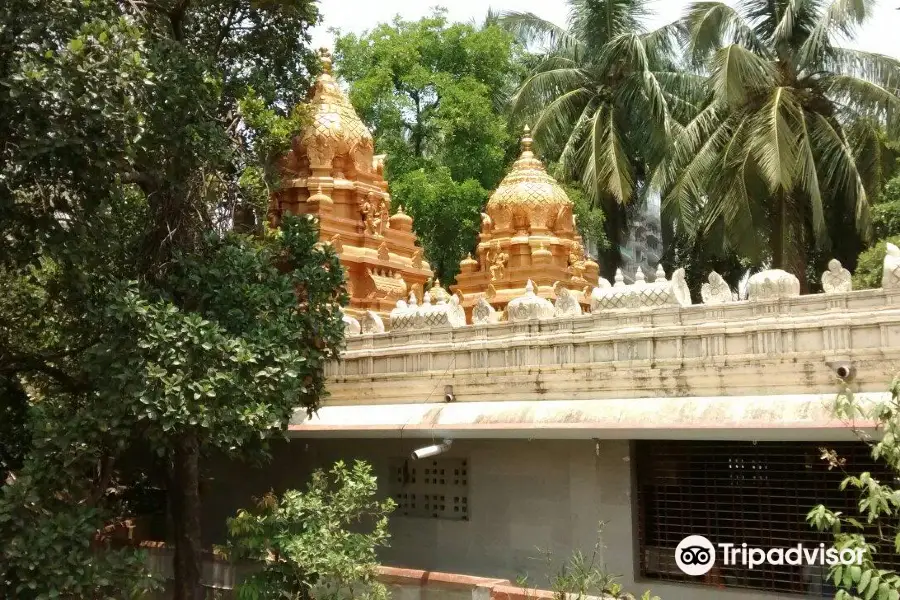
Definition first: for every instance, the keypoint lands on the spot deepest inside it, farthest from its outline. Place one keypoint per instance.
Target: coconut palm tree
(790, 141)
(604, 99)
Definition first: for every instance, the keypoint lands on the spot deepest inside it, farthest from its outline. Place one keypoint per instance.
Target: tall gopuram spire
(331, 173)
(527, 233)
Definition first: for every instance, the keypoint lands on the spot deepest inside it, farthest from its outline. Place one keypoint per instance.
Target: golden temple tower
(527, 233)
(330, 172)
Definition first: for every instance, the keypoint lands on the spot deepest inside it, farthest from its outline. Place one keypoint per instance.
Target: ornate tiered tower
(331, 173)
(527, 233)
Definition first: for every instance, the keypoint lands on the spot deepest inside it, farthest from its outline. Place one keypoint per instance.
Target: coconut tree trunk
(185, 502)
(779, 231)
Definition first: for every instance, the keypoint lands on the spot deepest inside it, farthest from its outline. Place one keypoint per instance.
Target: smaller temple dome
(528, 194)
(401, 221)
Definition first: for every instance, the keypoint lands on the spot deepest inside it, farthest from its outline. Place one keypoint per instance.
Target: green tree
(311, 543)
(874, 528)
(603, 100)
(434, 94)
(789, 140)
(136, 136)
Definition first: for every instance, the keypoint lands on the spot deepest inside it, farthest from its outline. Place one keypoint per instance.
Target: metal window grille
(736, 492)
(431, 488)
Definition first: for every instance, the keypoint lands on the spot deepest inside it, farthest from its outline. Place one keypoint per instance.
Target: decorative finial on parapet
(529, 288)
(413, 300)
(619, 279)
(660, 273)
(325, 59)
(639, 276)
(526, 139)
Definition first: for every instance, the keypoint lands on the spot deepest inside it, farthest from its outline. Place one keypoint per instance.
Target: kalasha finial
(526, 139)
(325, 59)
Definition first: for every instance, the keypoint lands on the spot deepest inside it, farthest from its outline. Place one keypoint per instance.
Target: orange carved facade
(331, 172)
(527, 233)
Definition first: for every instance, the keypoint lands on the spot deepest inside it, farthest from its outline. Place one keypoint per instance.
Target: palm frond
(838, 165)
(711, 25)
(737, 73)
(608, 171)
(775, 138)
(531, 29)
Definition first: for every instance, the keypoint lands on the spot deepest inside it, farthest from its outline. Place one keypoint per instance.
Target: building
(331, 173)
(628, 406)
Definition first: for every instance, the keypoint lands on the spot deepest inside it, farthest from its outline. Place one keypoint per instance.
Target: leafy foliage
(312, 540)
(142, 332)
(447, 215)
(870, 264)
(879, 503)
(434, 93)
(581, 576)
(790, 135)
(604, 100)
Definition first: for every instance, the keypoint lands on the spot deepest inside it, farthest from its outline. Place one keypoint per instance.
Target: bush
(305, 540)
(870, 263)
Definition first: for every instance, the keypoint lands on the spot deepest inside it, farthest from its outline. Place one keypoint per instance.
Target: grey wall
(524, 497)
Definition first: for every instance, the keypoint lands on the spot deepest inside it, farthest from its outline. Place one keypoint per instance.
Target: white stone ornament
(529, 306)
(565, 305)
(836, 279)
(483, 313)
(351, 325)
(619, 279)
(890, 278)
(403, 316)
(372, 323)
(641, 294)
(716, 291)
(772, 285)
(660, 274)
(443, 314)
(639, 278)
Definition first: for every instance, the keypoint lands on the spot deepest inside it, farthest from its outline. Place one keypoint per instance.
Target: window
(758, 493)
(435, 488)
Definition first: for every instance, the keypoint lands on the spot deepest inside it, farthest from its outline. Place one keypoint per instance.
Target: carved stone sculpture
(412, 316)
(772, 285)
(417, 259)
(372, 323)
(483, 313)
(565, 305)
(337, 243)
(529, 306)
(487, 225)
(383, 253)
(660, 274)
(577, 261)
(716, 291)
(351, 325)
(386, 284)
(836, 279)
(641, 294)
(498, 260)
(890, 279)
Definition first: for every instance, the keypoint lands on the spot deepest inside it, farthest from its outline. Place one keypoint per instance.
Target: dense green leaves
(603, 100)
(790, 136)
(873, 530)
(435, 93)
(137, 332)
(311, 542)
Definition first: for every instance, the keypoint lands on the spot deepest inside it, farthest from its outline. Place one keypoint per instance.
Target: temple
(527, 233)
(331, 172)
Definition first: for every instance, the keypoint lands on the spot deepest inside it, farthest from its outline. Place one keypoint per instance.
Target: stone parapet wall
(784, 346)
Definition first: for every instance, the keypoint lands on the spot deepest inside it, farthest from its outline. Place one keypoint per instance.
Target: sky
(881, 34)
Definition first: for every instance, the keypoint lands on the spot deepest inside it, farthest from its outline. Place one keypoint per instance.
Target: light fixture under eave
(432, 450)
